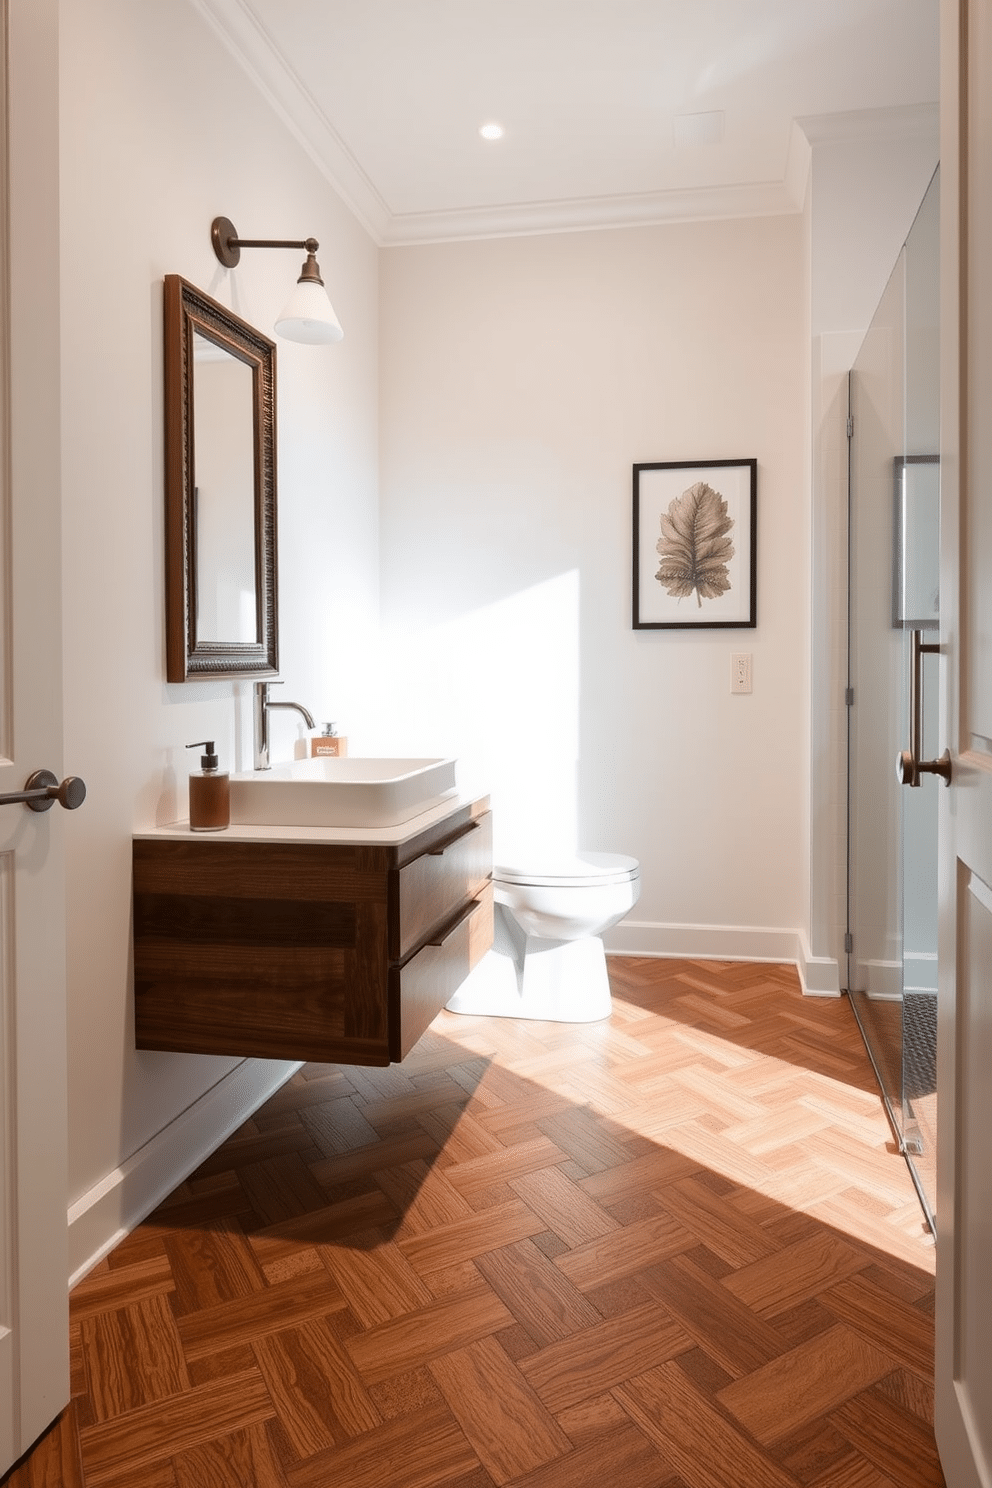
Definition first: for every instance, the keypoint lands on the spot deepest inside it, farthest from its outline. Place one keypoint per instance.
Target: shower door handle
(909, 766)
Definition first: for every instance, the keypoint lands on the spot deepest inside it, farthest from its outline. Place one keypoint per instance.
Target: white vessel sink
(340, 792)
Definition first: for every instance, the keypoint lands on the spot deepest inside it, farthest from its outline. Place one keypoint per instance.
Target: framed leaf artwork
(695, 544)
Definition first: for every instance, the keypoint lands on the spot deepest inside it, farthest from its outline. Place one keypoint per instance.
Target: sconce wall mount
(308, 315)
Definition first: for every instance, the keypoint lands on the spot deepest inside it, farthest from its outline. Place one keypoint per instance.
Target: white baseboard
(920, 973)
(122, 1199)
(819, 975)
(880, 980)
(890, 981)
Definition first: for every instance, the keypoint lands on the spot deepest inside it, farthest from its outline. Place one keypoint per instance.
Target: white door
(964, 1044)
(33, 1249)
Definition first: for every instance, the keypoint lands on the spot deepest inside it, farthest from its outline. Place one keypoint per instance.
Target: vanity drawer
(419, 989)
(434, 886)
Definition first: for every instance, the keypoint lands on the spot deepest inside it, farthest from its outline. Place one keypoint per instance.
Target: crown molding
(584, 214)
(902, 121)
(797, 166)
(244, 36)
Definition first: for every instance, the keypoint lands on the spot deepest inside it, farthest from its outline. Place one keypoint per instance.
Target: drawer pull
(439, 852)
(456, 925)
(432, 887)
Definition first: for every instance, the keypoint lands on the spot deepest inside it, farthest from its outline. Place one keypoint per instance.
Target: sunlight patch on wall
(498, 688)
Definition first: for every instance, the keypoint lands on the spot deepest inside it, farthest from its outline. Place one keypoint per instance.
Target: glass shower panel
(877, 671)
(894, 569)
(918, 519)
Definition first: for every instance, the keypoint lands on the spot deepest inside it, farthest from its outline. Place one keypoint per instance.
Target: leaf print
(694, 546)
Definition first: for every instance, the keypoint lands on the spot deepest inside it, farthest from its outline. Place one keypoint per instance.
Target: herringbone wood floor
(674, 1250)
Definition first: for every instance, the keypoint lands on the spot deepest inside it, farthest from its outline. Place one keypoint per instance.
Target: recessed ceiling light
(492, 131)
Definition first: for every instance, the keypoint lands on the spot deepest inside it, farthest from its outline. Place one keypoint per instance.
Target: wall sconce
(308, 314)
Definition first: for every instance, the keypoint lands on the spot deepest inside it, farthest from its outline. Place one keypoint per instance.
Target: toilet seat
(579, 870)
(547, 959)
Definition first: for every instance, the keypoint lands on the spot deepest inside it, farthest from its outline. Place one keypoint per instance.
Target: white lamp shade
(308, 316)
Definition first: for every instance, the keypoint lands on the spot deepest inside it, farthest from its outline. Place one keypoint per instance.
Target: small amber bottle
(209, 793)
(329, 743)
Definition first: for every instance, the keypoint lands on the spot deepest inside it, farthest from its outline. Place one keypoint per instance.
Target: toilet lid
(587, 868)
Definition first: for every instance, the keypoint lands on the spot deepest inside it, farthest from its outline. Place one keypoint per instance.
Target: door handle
(909, 765)
(42, 790)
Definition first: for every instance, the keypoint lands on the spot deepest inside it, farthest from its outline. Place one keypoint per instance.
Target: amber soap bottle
(329, 744)
(209, 792)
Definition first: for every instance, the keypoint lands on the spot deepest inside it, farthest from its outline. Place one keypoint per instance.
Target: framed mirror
(220, 491)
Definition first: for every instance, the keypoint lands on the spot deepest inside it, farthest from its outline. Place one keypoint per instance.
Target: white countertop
(394, 836)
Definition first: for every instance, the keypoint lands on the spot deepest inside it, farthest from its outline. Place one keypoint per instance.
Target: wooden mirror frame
(188, 311)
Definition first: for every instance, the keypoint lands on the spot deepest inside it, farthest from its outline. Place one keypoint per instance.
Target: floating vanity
(327, 943)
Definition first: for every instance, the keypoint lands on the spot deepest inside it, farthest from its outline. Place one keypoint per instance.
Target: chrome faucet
(263, 704)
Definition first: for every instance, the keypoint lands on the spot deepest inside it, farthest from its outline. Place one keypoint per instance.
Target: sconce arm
(227, 245)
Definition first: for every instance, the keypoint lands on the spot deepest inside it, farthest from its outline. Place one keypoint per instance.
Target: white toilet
(547, 959)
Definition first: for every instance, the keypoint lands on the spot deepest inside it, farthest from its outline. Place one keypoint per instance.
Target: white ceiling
(387, 96)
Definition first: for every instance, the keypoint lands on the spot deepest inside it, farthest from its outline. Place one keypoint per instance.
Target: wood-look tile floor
(673, 1250)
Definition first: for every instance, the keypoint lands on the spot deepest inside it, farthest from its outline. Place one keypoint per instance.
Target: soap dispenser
(328, 743)
(209, 793)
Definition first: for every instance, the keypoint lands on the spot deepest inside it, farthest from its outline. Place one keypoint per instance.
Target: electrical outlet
(740, 671)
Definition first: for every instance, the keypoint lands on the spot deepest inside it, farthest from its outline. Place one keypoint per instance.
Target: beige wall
(160, 132)
(519, 381)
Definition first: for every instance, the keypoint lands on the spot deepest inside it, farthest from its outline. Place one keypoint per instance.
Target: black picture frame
(682, 582)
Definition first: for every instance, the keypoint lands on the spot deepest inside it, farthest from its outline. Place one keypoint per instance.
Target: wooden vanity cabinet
(335, 952)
